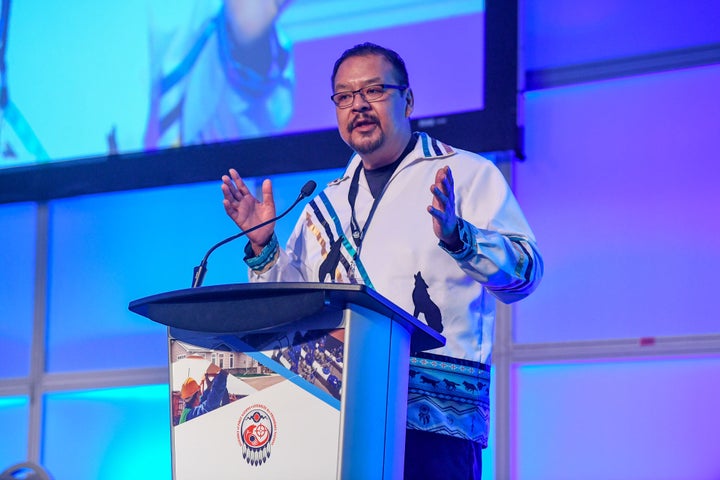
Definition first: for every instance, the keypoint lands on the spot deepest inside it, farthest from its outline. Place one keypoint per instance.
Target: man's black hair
(368, 48)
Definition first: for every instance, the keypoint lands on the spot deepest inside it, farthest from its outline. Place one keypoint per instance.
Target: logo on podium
(256, 434)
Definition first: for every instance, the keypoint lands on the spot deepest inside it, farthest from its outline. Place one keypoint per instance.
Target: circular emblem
(256, 434)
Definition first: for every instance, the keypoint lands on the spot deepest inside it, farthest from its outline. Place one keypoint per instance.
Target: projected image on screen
(87, 78)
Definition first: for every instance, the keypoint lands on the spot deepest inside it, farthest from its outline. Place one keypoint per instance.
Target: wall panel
(14, 421)
(620, 420)
(107, 250)
(112, 434)
(17, 285)
(620, 186)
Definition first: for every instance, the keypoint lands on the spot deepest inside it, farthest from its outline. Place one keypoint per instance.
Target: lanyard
(358, 234)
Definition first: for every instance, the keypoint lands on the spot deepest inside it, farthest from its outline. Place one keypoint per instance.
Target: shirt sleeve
(499, 248)
(508, 265)
(275, 264)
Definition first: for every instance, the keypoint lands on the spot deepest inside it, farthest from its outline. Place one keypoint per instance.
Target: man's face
(377, 128)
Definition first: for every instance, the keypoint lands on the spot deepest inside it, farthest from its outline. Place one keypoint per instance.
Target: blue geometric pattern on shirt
(449, 398)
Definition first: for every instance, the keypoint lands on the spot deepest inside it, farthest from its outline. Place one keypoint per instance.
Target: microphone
(200, 271)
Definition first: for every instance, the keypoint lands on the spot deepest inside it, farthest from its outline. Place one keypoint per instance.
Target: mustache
(362, 119)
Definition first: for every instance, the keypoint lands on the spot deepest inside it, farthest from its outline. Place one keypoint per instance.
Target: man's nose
(359, 102)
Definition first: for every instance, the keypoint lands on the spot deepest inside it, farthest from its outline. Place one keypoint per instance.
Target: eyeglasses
(370, 93)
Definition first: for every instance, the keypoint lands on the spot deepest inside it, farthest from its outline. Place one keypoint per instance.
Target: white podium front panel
(273, 413)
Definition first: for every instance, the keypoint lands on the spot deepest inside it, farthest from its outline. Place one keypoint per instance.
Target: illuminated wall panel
(17, 271)
(624, 420)
(620, 186)
(113, 434)
(119, 247)
(14, 421)
(107, 250)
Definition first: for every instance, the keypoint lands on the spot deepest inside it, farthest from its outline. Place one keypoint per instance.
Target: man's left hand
(445, 220)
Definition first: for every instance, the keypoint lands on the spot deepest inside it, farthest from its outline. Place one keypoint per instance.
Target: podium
(315, 380)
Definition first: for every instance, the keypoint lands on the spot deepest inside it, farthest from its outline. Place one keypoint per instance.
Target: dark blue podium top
(260, 307)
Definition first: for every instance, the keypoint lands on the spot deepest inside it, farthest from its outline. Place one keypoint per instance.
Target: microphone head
(308, 189)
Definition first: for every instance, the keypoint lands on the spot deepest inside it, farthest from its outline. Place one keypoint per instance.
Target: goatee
(367, 143)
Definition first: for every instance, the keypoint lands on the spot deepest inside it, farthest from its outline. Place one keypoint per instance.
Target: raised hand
(246, 211)
(445, 220)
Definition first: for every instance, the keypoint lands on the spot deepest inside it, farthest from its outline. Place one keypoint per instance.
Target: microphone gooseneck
(200, 271)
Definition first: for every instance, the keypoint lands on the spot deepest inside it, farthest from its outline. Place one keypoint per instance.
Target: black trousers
(432, 456)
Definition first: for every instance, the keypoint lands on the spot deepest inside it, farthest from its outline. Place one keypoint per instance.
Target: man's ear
(410, 101)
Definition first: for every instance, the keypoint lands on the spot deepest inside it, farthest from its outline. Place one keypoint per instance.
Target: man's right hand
(246, 211)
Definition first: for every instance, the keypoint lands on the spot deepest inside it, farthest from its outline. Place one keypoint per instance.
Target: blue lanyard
(358, 234)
